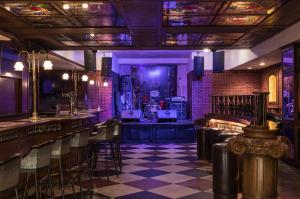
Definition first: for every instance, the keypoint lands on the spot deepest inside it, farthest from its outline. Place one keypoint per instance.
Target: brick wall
(228, 83)
(98, 95)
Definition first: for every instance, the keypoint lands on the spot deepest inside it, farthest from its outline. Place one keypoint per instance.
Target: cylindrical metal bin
(225, 172)
(201, 143)
(211, 137)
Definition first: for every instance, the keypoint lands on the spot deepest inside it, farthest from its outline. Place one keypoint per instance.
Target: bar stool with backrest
(117, 143)
(39, 157)
(60, 152)
(10, 173)
(79, 145)
(102, 137)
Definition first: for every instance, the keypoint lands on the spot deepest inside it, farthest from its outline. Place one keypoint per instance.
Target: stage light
(48, 65)
(206, 50)
(19, 66)
(66, 6)
(85, 5)
(65, 76)
(84, 78)
(92, 82)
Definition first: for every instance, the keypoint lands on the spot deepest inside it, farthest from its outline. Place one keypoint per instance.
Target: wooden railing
(238, 105)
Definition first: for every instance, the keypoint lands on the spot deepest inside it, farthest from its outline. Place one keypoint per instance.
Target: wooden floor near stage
(158, 132)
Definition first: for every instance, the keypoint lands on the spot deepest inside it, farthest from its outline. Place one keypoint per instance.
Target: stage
(155, 132)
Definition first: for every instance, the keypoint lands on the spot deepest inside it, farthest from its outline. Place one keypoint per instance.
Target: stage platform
(155, 132)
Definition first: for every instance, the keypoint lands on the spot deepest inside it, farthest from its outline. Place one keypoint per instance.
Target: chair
(79, 144)
(117, 144)
(10, 173)
(38, 158)
(104, 136)
(60, 152)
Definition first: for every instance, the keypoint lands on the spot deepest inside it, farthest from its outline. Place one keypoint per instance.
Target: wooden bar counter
(17, 136)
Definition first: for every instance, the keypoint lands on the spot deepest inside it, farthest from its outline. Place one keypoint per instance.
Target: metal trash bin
(211, 137)
(201, 143)
(225, 172)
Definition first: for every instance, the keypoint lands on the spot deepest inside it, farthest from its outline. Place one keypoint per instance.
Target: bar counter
(18, 136)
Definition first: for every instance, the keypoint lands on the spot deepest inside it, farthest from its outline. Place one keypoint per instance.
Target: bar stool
(38, 158)
(60, 152)
(79, 144)
(104, 136)
(10, 173)
(117, 143)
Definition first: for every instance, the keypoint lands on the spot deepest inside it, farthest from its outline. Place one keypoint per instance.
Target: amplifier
(167, 116)
(131, 115)
(181, 109)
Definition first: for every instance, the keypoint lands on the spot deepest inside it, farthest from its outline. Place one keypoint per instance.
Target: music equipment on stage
(106, 66)
(90, 60)
(181, 109)
(167, 116)
(198, 67)
(131, 115)
(218, 62)
(177, 99)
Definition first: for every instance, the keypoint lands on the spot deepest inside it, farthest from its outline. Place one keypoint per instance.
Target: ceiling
(262, 62)
(146, 24)
(62, 63)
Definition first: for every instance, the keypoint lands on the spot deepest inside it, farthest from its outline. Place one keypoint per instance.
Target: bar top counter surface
(19, 135)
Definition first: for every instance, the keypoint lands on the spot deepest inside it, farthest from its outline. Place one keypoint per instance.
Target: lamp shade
(84, 78)
(65, 76)
(19, 66)
(48, 65)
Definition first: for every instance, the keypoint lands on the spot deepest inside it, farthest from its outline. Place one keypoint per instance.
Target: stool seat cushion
(9, 173)
(37, 158)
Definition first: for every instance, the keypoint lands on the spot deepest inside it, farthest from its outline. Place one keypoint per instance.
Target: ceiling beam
(209, 29)
(55, 31)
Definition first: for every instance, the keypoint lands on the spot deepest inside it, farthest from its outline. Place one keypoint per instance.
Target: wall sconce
(84, 78)
(105, 83)
(19, 66)
(65, 76)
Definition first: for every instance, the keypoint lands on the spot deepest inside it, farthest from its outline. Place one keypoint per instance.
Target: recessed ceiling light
(249, 68)
(262, 63)
(66, 6)
(85, 5)
(206, 50)
(92, 82)
(92, 35)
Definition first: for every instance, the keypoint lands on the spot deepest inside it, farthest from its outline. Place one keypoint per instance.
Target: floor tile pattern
(172, 171)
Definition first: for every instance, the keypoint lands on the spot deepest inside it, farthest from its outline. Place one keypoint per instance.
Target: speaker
(218, 62)
(198, 67)
(181, 109)
(166, 115)
(131, 115)
(90, 60)
(106, 66)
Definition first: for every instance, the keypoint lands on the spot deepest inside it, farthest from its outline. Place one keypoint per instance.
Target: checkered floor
(173, 171)
(159, 172)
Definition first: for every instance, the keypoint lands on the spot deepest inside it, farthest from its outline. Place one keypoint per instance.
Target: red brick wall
(228, 83)
(98, 95)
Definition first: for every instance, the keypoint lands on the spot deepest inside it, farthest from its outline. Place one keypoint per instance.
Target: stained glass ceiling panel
(30, 9)
(47, 21)
(238, 20)
(95, 21)
(95, 8)
(189, 7)
(221, 39)
(186, 20)
(252, 7)
(181, 39)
